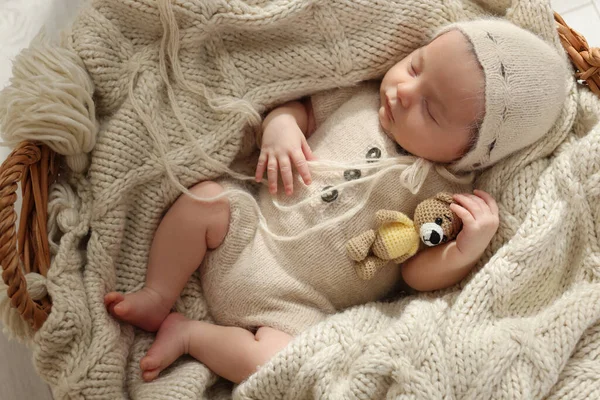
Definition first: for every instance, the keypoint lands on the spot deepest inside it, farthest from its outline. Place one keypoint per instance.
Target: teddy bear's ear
(445, 197)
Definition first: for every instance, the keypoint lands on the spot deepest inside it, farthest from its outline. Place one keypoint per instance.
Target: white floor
(17, 376)
(583, 16)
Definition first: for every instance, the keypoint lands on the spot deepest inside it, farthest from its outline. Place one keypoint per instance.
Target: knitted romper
(254, 279)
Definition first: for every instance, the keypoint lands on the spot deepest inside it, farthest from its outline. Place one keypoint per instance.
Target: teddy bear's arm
(387, 216)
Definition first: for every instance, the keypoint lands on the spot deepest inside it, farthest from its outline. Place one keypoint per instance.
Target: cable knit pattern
(177, 81)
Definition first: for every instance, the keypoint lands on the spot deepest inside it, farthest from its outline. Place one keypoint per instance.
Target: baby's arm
(283, 142)
(445, 265)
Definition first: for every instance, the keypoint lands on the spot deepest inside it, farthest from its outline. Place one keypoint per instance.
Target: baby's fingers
(272, 174)
(489, 200)
(307, 151)
(469, 203)
(464, 214)
(286, 174)
(261, 166)
(301, 166)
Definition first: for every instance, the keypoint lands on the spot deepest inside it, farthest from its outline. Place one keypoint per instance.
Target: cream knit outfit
(255, 279)
(525, 324)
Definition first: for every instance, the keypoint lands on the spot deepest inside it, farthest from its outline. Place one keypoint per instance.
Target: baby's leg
(185, 233)
(231, 352)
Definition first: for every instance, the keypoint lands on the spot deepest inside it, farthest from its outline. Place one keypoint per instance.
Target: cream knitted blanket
(144, 93)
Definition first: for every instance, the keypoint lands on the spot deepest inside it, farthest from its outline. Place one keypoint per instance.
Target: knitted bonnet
(525, 87)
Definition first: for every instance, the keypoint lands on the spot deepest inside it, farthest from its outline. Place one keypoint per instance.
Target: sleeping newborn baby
(478, 92)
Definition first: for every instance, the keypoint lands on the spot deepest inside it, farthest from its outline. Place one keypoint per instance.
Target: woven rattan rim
(32, 165)
(586, 60)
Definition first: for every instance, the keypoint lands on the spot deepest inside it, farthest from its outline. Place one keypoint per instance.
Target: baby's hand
(283, 143)
(479, 214)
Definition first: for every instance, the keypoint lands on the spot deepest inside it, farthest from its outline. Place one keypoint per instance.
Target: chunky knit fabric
(525, 324)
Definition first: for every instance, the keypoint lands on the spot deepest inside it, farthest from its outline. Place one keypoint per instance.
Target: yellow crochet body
(400, 239)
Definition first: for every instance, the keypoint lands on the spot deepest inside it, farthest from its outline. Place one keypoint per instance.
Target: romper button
(351, 174)
(373, 154)
(329, 196)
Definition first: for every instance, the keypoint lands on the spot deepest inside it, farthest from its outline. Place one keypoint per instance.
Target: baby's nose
(405, 93)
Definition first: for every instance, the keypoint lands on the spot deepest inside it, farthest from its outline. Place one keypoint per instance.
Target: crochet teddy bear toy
(397, 237)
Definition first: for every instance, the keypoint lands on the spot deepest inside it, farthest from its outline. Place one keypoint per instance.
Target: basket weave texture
(585, 59)
(27, 250)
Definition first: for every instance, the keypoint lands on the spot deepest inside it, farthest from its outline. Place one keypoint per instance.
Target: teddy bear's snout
(432, 234)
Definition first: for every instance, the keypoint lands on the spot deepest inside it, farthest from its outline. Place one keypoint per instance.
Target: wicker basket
(34, 166)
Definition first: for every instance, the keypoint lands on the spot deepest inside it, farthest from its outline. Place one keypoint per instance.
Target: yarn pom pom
(50, 100)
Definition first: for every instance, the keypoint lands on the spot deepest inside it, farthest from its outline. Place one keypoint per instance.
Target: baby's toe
(150, 375)
(149, 363)
(113, 297)
(122, 309)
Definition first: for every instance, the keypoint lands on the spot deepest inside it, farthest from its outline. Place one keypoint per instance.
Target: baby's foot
(145, 308)
(171, 343)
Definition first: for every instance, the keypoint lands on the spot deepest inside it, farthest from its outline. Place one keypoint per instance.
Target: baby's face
(431, 98)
